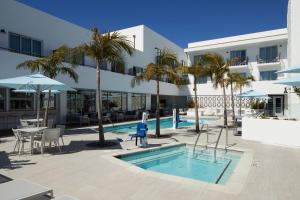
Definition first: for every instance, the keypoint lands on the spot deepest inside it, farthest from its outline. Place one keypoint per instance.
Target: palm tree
(242, 82)
(162, 69)
(232, 79)
(52, 66)
(198, 70)
(218, 70)
(107, 47)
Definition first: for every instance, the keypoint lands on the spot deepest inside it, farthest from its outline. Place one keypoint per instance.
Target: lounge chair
(141, 132)
(23, 189)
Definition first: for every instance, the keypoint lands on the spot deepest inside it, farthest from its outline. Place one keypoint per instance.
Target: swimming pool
(131, 127)
(182, 161)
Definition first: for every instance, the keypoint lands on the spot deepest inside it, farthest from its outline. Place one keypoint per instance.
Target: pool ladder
(215, 142)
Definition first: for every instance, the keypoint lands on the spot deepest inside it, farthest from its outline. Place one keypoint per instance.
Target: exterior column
(62, 108)
(129, 101)
(148, 101)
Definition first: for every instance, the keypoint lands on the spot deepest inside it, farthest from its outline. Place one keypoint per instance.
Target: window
(25, 45)
(138, 101)
(2, 99)
(14, 42)
(241, 57)
(36, 48)
(268, 54)
(21, 101)
(134, 71)
(118, 67)
(243, 74)
(44, 101)
(268, 75)
(198, 58)
(81, 101)
(202, 80)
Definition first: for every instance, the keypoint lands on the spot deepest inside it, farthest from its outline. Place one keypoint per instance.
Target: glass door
(278, 105)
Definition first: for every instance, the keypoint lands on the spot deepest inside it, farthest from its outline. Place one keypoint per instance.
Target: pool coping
(234, 184)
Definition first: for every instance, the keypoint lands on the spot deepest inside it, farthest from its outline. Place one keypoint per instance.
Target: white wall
(294, 49)
(276, 132)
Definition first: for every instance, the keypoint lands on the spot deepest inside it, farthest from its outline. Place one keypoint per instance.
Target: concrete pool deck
(86, 173)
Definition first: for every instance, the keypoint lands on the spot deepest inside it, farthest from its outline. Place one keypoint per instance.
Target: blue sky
(181, 21)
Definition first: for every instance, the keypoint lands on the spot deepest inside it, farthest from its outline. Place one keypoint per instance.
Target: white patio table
(32, 132)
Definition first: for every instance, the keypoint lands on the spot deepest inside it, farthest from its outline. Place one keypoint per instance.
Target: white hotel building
(27, 33)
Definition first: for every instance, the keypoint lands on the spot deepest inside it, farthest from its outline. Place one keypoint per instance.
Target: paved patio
(85, 172)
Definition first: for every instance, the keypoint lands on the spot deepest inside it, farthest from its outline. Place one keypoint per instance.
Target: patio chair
(141, 132)
(49, 135)
(18, 139)
(23, 189)
(50, 123)
(21, 139)
(62, 132)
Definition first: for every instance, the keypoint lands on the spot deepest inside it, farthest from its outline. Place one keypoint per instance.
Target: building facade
(260, 55)
(30, 33)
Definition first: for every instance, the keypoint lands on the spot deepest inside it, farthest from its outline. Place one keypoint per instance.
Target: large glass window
(116, 101)
(268, 75)
(21, 101)
(240, 55)
(36, 48)
(2, 99)
(135, 70)
(268, 54)
(202, 80)
(52, 101)
(138, 101)
(14, 42)
(25, 45)
(81, 101)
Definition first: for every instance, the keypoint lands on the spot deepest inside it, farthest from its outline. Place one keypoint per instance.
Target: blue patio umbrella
(293, 81)
(33, 91)
(34, 82)
(253, 94)
(289, 70)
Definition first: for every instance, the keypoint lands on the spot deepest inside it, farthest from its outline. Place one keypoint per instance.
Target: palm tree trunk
(225, 109)
(232, 102)
(157, 110)
(47, 109)
(196, 106)
(98, 104)
(240, 101)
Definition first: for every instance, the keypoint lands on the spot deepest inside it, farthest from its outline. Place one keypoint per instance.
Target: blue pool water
(182, 161)
(131, 127)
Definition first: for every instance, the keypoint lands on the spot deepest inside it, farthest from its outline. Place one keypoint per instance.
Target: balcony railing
(268, 60)
(240, 62)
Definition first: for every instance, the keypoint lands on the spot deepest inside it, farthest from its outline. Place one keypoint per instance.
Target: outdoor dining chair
(21, 139)
(62, 132)
(50, 136)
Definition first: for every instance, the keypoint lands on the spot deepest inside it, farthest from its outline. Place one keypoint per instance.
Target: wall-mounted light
(3, 31)
(280, 45)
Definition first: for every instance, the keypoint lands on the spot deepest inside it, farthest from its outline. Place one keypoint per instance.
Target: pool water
(182, 161)
(131, 127)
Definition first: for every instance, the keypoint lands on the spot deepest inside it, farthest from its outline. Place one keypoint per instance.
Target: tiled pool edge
(234, 185)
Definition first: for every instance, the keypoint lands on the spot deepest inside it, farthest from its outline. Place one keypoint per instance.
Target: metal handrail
(198, 138)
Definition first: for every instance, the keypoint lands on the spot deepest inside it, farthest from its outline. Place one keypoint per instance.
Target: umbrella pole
(38, 106)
